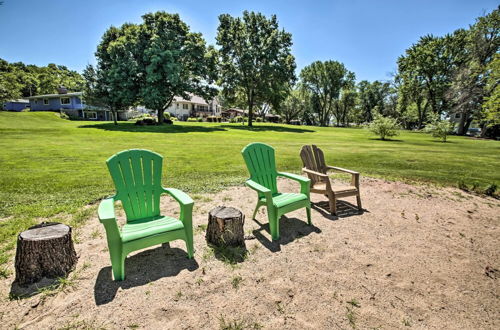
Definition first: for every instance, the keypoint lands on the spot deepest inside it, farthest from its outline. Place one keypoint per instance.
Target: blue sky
(367, 36)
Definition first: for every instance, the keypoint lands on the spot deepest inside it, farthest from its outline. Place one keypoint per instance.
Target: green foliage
(491, 189)
(167, 115)
(384, 126)
(258, 119)
(19, 80)
(293, 106)
(491, 106)
(192, 119)
(199, 119)
(324, 81)
(255, 59)
(440, 129)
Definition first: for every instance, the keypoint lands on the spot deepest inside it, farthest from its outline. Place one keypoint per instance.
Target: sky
(367, 36)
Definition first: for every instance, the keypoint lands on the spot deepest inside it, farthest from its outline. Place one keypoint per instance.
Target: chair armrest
(260, 189)
(106, 210)
(106, 214)
(181, 197)
(340, 169)
(322, 175)
(305, 183)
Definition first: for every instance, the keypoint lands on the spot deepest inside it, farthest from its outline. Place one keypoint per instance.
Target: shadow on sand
(290, 230)
(141, 269)
(344, 210)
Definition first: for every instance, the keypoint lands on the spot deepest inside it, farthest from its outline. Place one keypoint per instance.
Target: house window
(177, 105)
(45, 101)
(185, 106)
(91, 115)
(65, 100)
(36, 101)
(457, 115)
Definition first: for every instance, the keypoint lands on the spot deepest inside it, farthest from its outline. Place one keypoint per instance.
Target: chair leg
(333, 204)
(358, 198)
(255, 211)
(274, 224)
(118, 269)
(190, 248)
(308, 211)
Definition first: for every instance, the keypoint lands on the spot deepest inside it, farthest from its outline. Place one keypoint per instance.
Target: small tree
(384, 126)
(439, 129)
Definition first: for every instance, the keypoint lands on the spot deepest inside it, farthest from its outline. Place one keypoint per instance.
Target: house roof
(47, 96)
(194, 99)
(236, 110)
(18, 101)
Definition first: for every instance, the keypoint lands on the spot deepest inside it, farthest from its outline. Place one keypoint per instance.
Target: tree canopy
(255, 59)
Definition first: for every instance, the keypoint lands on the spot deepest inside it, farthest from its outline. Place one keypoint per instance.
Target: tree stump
(44, 250)
(225, 227)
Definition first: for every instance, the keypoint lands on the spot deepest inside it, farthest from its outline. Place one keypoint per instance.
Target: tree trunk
(115, 116)
(225, 227)
(160, 116)
(44, 250)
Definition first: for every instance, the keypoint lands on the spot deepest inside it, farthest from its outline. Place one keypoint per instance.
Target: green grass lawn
(52, 167)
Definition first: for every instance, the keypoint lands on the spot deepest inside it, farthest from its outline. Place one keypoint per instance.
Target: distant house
(70, 103)
(16, 105)
(195, 107)
(234, 112)
(73, 105)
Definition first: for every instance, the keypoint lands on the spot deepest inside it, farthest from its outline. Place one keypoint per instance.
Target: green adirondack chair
(259, 158)
(137, 177)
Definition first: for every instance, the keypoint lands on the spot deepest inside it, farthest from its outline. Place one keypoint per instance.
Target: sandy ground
(419, 257)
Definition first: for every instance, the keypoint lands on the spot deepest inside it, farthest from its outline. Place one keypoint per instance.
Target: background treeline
(252, 67)
(19, 80)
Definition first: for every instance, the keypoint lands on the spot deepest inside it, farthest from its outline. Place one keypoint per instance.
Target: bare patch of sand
(420, 257)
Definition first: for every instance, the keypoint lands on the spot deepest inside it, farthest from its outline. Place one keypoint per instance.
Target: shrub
(258, 120)
(167, 115)
(199, 119)
(439, 129)
(173, 118)
(146, 121)
(191, 119)
(384, 126)
(232, 120)
(239, 119)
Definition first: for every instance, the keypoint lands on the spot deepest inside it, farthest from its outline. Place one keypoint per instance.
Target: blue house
(56, 102)
(16, 105)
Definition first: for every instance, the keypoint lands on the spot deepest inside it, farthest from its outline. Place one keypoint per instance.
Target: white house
(195, 107)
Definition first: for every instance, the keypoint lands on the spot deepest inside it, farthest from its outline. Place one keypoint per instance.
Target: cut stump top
(223, 212)
(45, 231)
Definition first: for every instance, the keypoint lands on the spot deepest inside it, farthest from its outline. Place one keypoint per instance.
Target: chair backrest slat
(313, 159)
(136, 174)
(261, 164)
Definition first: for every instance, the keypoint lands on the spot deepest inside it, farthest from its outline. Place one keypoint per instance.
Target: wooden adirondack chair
(316, 169)
(137, 177)
(259, 158)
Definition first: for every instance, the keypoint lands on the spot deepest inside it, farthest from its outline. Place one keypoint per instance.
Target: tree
(255, 59)
(384, 126)
(324, 81)
(439, 128)
(343, 108)
(293, 106)
(172, 61)
(491, 105)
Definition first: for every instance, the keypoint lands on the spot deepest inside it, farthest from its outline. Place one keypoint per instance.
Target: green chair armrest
(257, 187)
(106, 214)
(181, 197)
(305, 183)
(106, 210)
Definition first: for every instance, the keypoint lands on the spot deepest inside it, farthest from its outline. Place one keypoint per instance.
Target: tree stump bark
(225, 227)
(44, 250)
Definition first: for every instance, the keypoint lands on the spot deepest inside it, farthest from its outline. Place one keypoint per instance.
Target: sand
(419, 257)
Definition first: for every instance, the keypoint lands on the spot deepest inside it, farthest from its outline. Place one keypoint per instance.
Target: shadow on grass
(344, 210)
(261, 128)
(290, 229)
(141, 269)
(387, 140)
(130, 127)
